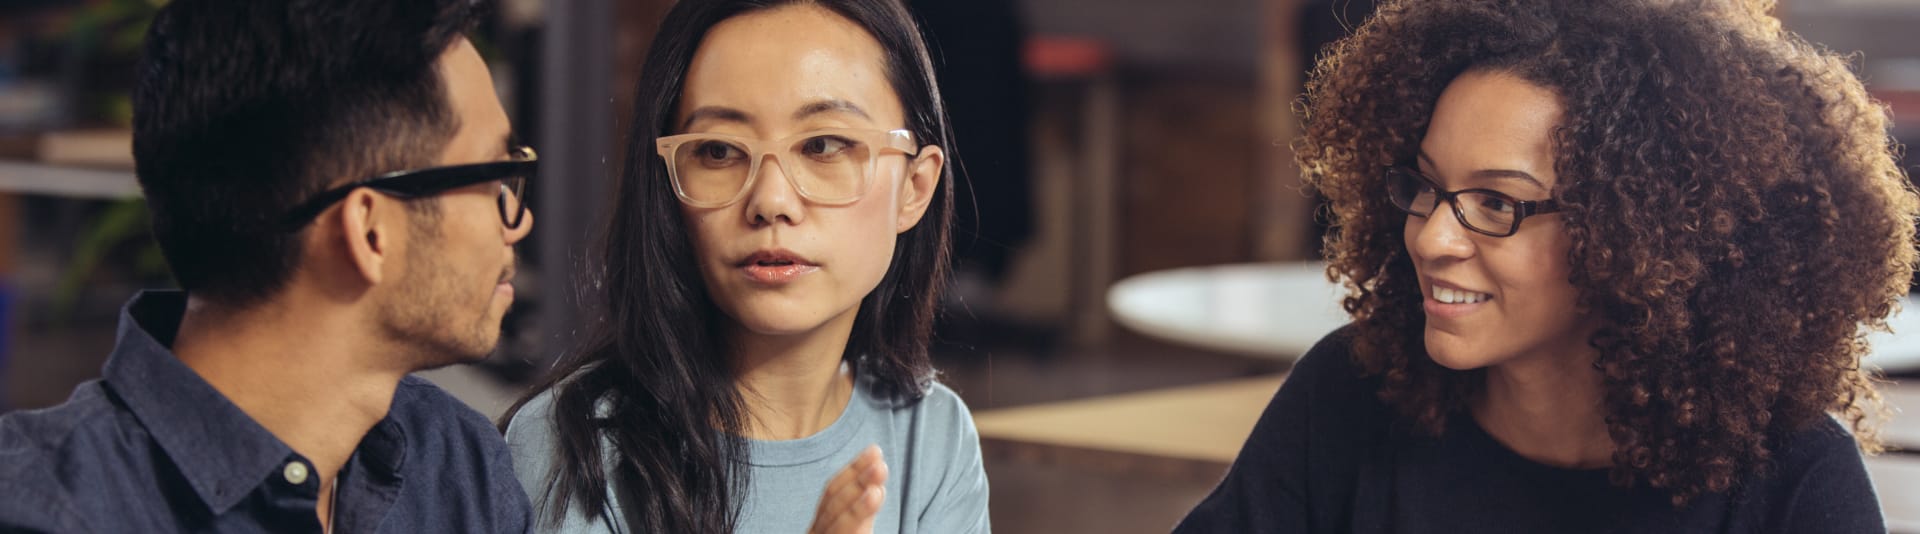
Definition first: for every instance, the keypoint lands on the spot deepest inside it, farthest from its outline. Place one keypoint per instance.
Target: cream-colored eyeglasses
(830, 166)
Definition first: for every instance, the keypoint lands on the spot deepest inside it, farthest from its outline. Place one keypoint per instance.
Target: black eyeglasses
(1482, 210)
(513, 175)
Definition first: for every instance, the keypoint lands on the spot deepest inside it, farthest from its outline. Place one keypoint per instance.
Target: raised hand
(853, 496)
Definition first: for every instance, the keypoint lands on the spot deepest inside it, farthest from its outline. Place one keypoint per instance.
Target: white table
(1896, 478)
(1273, 310)
(1278, 310)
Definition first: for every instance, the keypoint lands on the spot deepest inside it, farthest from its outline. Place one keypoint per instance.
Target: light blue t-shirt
(935, 483)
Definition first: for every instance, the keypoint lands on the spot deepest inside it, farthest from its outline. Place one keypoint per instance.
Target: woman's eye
(825, 146)
(1496, 204)
(716, 152)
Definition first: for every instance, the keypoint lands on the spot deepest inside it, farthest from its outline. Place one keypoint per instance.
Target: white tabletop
(1278, 310)
(1275, 310)
(1896, 478)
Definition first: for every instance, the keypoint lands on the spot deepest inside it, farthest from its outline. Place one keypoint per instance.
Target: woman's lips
(1435, 308)
(775, 266)
(777, 274)
(1445, 300)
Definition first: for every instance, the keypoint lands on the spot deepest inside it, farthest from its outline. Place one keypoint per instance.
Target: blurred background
(1136, 256)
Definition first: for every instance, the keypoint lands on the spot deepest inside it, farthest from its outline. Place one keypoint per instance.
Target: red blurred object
(1066, 57)
(1905, 104)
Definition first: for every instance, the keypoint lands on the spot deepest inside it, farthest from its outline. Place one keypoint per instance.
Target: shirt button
(295, 472)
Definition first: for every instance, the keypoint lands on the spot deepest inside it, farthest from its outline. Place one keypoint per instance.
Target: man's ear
(368, 230)
(917, 193)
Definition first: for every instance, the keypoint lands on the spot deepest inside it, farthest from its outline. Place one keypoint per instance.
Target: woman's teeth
(1455, 296)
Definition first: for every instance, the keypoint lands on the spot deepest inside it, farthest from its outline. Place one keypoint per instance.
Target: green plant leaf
(124, 220)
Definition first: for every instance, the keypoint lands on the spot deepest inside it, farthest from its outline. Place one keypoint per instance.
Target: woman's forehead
(777, 65)
(1492, 121)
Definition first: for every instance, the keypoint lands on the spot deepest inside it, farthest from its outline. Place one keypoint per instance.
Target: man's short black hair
(244, 108)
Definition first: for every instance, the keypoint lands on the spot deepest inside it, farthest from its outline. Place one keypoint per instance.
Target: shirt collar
(223, 453)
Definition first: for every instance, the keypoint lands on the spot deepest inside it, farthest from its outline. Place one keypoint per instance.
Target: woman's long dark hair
(651, 377)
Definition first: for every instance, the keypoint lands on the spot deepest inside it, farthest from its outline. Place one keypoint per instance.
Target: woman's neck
(1550, 410)
(793, 386)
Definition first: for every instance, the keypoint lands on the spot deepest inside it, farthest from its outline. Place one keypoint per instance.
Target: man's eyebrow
(830, 105)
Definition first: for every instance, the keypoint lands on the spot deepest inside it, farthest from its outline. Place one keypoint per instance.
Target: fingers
(877, 475)
(855, 473)
(868, 469)
(858, 517)
(853, 496)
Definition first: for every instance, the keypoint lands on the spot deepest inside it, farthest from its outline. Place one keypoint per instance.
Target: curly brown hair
(1732, 197)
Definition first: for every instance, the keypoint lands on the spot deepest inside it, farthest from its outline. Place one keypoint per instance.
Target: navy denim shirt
(151, 447)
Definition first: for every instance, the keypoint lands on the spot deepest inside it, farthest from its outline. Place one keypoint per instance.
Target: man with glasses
(334, 185)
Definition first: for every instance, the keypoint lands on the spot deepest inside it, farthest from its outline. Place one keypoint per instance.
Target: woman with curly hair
(1609, 265)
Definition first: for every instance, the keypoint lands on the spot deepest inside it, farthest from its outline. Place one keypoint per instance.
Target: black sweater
(1327, 457)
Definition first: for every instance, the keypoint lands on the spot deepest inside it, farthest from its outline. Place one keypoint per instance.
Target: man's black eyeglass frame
(513, 175)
